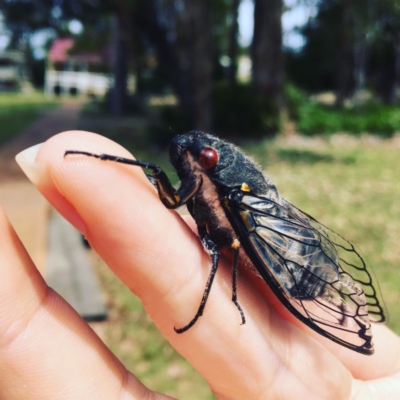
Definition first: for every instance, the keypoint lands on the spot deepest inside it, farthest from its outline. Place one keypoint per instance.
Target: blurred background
(310, 88)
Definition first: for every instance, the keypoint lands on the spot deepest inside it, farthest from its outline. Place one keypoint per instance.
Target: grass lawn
(350, 185)
(19, 110)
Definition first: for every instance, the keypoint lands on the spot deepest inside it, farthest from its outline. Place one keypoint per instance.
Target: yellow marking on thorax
(235, 244)
(245, 187)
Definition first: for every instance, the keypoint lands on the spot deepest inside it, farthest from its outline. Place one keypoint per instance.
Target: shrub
(238, 112)
(295, 100)
(378, 119)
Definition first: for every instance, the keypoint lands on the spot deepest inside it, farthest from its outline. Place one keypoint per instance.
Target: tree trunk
(120, 67)
(346, 54)
(391, 73)
(200, 61)
(167, 52)
(233, 43)
(359, 68)
(122, 26)
(397, 73)
(184, 50)
(266, 49)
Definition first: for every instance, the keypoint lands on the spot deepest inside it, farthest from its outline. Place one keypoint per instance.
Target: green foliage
(295, 100)
(238, 112)
(313, 118)
(18, 111)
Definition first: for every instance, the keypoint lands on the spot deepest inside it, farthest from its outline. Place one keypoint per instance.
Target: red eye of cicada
(208, 157)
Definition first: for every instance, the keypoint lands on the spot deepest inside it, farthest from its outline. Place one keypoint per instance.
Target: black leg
(108, 157)
(168, 195)
(152, 180)
(212, 249)
(234, 283)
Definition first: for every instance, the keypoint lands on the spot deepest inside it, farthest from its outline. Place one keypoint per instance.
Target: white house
(77, 73)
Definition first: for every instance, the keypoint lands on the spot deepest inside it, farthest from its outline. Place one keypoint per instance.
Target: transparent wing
(317, 274)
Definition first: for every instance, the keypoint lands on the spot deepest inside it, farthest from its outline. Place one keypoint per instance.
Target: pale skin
(48, 352)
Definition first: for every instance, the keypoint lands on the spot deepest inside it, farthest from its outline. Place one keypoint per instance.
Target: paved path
(61, 119)
(53, 244)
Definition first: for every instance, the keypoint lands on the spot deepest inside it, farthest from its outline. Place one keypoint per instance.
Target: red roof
(59, 49)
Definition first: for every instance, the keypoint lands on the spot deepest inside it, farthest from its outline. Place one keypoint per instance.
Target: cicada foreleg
(168, 195)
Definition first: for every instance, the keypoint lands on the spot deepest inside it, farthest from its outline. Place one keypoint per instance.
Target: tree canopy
(191, 47)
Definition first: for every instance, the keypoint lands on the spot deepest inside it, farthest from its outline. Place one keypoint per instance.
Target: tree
(346, 58)
(266, 50)
(25, 17)
(315, 67)
(122, 46)
(267, 59)
(180, 32)
(351, 45)
(233, 42)
(388, 47)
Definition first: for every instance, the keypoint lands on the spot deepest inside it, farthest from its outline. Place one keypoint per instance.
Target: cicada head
(225, 164)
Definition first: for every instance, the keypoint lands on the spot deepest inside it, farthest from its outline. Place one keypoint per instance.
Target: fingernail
(35, 172)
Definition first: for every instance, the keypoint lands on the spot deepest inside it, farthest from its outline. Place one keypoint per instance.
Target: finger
(156, 255)
(383, 388)
(385, 361)
(46, 350)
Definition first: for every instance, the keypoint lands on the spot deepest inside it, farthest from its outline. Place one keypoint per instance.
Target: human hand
(48, 352)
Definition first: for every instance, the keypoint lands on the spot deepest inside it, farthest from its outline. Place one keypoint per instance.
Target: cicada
(318, 275)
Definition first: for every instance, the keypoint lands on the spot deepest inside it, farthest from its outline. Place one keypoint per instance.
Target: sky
(4, 38)
(296, 16)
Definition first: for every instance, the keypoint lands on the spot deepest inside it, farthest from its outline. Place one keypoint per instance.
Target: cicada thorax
(207, 211)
